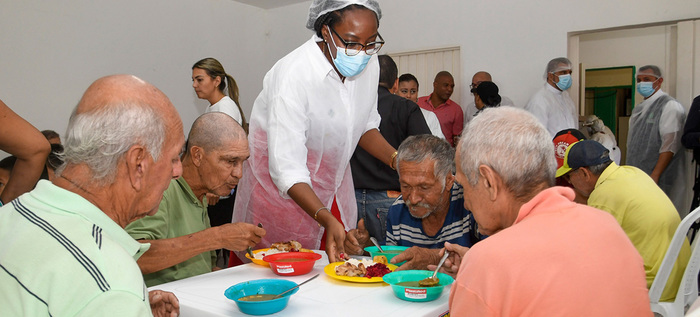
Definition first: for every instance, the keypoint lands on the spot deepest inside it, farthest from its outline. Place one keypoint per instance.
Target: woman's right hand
(335, 238)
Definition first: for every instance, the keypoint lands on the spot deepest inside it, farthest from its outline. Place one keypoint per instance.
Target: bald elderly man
(182, 241)
(64, 249)
(470, 110)
(546, 255)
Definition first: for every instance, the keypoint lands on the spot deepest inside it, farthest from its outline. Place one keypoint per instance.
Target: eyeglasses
(473, 85)
(354, 48)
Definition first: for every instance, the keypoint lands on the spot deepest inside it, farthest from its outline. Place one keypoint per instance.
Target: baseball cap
(583, 153)
(562, 140)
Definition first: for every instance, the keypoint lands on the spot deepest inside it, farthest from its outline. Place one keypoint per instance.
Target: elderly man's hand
(357, 239)
(212, 199)
(163, 304)
(239, 236)
(453, 261)
(417, 258)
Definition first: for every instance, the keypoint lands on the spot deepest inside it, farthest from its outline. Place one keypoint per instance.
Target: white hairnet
(320, 7)
(557, 64)
(651, 70)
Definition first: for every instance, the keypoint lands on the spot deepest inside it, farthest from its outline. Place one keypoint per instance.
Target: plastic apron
(327, 131)
(643, 145)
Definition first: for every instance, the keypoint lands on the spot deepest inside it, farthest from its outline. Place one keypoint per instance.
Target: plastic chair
(688, 289)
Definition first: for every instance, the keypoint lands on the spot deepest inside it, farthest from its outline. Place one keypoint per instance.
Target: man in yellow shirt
(642, 209)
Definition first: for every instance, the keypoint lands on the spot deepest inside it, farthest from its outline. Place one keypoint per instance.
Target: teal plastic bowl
(390, 251)
(416, 293)
(256, 287)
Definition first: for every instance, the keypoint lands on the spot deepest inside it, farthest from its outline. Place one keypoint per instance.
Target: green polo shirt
(647, 216)
(62, 256)
(180, 213)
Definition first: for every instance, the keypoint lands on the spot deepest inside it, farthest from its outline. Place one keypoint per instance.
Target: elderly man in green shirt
(645, 213)
(63, 249)
(182, 241)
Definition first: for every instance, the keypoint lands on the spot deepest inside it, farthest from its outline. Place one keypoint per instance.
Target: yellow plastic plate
(330, 271)
(263, 263)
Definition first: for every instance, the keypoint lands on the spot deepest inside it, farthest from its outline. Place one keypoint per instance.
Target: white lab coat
(554, 109)
(304, 128)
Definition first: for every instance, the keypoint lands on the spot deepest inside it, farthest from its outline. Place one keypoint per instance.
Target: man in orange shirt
(449, 113)
(545, 255)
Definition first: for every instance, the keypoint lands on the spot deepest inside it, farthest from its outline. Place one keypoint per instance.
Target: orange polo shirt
(559, 258)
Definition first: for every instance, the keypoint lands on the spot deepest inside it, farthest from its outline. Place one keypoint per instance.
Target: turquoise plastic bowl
(418, 293)
(256, 287)
(390, 251)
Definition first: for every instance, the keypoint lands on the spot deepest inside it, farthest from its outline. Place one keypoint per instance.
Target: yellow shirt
(647, 216)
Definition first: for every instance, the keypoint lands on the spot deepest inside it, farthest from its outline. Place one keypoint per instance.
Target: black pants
(220, 214)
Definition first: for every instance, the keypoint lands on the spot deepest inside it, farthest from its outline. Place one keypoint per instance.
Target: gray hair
(210, 131)
(653, 69)
(553, 65)
(600, 168)
(100, 138)
(418, 148)
(514, 144)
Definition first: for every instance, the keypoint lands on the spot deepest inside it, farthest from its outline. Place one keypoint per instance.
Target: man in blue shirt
(430, 210)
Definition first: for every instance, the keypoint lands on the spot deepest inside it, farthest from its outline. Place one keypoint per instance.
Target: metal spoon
(433, 280)
(300, 284)
(376, 243)
(250, 250)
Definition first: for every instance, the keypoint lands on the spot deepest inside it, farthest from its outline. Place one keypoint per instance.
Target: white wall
(511, 39)
(630, 47)
(51, 51)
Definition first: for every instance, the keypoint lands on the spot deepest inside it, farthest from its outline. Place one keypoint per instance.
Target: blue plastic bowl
(390, 251)
(416, 293)
(256, 287)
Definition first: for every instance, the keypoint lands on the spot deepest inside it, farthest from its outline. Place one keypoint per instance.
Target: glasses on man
(354, 48)
(474, 85)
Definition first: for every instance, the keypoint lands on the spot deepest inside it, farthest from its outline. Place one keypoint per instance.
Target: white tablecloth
(203, 295)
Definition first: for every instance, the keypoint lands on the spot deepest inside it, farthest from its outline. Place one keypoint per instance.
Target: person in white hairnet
(598, 131)
(552, 105)
(317, 105)
(654, 138)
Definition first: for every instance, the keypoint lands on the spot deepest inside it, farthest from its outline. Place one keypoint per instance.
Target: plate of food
(280, 247)
(360, 271)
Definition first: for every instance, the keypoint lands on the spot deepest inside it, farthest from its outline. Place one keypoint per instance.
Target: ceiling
(269, 4)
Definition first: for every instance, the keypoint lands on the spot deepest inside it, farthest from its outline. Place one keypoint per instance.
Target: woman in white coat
(317, 104)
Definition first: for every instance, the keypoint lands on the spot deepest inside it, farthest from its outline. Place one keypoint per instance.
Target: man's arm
(661, 164)
(165, 253)
(458, 126)
(417, 258)
(31, 148)
(691, 131)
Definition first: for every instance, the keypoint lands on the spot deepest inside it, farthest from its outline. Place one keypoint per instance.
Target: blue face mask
(349, 66)
(564, 82)
(646, 88)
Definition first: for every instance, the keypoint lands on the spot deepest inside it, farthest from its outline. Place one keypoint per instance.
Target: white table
(203, 295)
